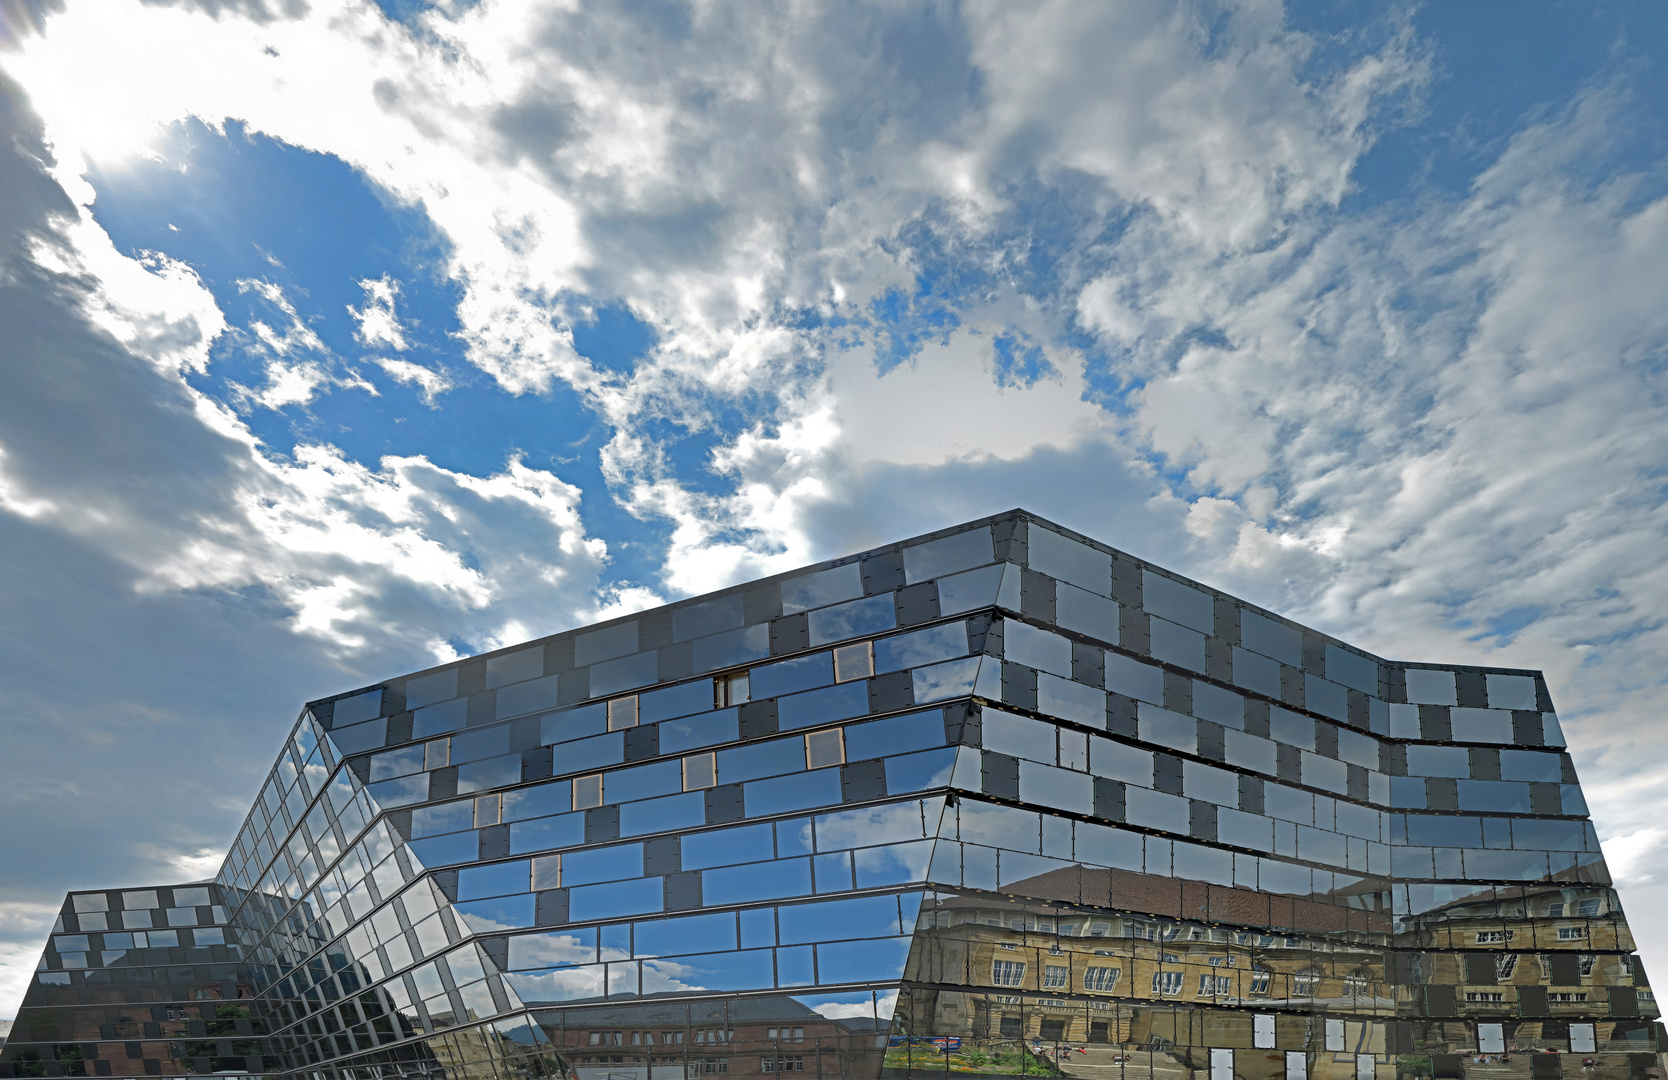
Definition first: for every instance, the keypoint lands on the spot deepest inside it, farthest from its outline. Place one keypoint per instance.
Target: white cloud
(379, 325)
(432, 383)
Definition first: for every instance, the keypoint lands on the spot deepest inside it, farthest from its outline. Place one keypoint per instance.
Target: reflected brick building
(997, 800)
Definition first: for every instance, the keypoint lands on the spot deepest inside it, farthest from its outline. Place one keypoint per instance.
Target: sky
(340, 338)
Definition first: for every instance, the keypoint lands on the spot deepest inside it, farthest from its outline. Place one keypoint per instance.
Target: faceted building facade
(995, 800)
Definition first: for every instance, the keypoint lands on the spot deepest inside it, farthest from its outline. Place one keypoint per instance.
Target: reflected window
(700, 771)
(547, 873)
(1055, 976)
(1101, 979)
(1007, 972)
(1262, 981)
(1215, 985)
(622, 713)
(1167, 983)
(824, 748)
(587, 791)
(854, 662)
(437, 754)
(730, 690)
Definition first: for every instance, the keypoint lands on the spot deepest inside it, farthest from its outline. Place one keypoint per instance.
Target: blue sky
(343, 338)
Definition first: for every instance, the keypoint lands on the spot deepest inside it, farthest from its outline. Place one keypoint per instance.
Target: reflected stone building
(996, 800)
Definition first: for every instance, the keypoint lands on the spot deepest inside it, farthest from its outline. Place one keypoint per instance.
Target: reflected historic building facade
(997, 800)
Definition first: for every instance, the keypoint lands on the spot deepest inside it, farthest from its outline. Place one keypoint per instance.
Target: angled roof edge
(1017, 513)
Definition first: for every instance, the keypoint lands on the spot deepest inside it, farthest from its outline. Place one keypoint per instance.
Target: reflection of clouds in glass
(550, 950)
(999, 826)
(668, 977)
(922, 647)
(861, 1006)
(894, 865)
(870, 825)
(945, 680)
(563, 984)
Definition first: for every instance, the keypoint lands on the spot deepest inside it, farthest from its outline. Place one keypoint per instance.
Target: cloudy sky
(340, 337)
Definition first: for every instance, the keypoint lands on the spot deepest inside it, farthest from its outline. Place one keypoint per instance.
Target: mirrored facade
(996, 800)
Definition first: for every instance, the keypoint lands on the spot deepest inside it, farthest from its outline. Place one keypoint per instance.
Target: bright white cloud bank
(1436, 429)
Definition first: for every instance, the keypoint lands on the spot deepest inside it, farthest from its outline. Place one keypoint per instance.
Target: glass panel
(1511, 692)
(855, 618)
(708, 617)
(359, 707)
(790, 676)
(488, 774)
(1166, 728)
(1085, 612)
(622, 713)
(441, 718)
(644, 781)
(975, 589)
(1178, 603)
(1071, 700)
(1132, 678)
(1427, 686)
(1270, 638)
(538, 801)
(478, 743)
(1531, 766)
(588, 753)
(542, 834)
(928, 646)
(627, 673)
(565, 948)
(1445, 761)
(789, 793)
(684, 699)
(587, 792)
(731, 648)
(699, 771)
(605, 644)
(952, 679)
(823, 748)
(705, 729)
(1068, 560)
(670, 813)
(1025, 644)
(614, 900)
(602, 864)
(1218, 705)
(755, 760)
(895, 735)
(722, 847)
(1251, 752)
(823, 587)
(428, 689)
(515, 667)
(947, 555)
(840, 702)
(493, 879)
(1017, 736)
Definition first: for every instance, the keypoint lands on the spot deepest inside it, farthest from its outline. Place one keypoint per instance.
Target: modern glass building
(995, 800)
